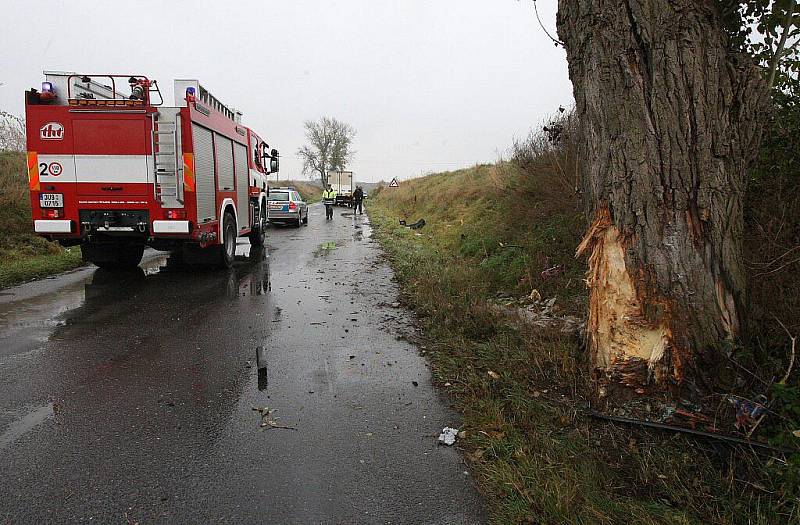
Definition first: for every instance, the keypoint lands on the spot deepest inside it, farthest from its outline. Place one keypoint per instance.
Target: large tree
(329, 147)
(670, 116)
(12, 132)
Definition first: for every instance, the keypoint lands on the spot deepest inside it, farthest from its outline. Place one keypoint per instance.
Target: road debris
(493, 374)
(747, 411)
(414, 226)
(684, 430)
(261, 364)
(266, 422)
(261, 357)
(553, 271)
(448, 436)
(534, 310)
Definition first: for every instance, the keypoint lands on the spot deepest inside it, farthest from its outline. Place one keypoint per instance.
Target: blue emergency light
(47, 87)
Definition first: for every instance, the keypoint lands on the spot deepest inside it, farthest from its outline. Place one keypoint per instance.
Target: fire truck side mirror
(272, 155)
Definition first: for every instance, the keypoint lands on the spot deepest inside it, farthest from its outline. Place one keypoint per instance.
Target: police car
(285, 205)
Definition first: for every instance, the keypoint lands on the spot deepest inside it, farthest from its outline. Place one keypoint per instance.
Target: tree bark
(669, 119)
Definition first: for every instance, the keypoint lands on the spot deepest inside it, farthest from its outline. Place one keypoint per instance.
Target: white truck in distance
(342, 183)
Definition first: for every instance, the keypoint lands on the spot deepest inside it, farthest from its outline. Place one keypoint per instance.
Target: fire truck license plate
(51, 200)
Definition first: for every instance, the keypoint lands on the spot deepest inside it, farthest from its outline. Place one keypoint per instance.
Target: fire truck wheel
(113, 256)
(228, 247)
(130, 255)
(259, 232)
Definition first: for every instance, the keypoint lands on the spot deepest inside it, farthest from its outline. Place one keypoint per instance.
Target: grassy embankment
(310, 192)
(491, 230)
(23, 255)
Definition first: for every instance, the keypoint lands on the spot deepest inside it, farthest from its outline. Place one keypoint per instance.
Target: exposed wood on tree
(669, 122)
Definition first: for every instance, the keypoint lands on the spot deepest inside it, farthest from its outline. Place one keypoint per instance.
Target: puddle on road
(367, 230)
(362, 229)
(28, 322)
(25, 424)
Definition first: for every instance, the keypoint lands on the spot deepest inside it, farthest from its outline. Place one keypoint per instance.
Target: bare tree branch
(779, 51)
(12, 132)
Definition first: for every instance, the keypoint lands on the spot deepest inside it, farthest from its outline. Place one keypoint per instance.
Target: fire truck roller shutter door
(242, 184)
(223, 148)
(204, 174)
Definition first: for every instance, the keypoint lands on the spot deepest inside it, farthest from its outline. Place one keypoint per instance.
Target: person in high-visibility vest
(329, 198)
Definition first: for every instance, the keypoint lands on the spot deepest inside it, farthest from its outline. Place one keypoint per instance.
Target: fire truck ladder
(168, 180)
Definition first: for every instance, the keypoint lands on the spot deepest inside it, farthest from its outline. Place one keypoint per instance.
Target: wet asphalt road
(130, 398)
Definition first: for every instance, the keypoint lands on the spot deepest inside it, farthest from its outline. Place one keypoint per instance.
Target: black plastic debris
(414, 226)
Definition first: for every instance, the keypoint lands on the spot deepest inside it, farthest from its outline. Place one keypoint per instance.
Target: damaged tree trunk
(669, 120)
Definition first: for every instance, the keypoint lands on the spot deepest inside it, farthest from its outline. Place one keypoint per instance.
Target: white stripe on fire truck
(99, 168)
(45, 162)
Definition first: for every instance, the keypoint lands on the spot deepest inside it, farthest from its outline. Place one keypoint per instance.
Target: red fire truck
(113, 169)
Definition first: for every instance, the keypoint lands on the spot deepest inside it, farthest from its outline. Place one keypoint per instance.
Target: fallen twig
(701, 433)
(269, 423)
(791, 358)
(272, 424)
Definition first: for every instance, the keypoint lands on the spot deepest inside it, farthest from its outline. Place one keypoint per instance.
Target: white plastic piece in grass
(448, 436)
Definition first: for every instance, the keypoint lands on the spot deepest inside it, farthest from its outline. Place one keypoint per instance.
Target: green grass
(26, 268)
(311, 193)
(23, 254)
(490, 232)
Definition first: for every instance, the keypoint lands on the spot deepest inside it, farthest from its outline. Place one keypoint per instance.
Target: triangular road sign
(394, 183)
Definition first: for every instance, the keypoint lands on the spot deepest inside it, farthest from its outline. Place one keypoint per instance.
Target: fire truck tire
(228, 247)
(130, 255)
(113, 256)
(259, 232)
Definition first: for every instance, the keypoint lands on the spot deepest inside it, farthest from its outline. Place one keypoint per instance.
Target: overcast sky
(429, 85)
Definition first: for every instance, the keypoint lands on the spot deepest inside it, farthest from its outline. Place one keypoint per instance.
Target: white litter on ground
(448, 436)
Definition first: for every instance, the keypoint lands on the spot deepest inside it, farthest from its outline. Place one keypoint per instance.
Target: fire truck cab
(113, 169)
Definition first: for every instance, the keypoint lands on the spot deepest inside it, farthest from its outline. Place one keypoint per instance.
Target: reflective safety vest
(329, 195)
